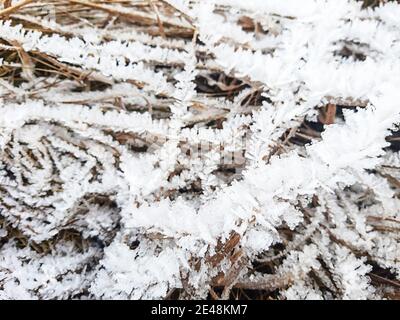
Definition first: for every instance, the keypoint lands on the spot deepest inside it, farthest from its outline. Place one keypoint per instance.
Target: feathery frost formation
(197, 149)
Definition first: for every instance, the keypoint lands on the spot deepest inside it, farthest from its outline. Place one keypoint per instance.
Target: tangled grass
(105, 87)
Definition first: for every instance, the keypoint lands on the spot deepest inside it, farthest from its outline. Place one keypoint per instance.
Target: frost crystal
(182, 148)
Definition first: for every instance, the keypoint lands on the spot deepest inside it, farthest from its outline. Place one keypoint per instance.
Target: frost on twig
(199, 149)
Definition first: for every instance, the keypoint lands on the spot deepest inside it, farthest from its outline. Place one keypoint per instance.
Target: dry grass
(156, 19)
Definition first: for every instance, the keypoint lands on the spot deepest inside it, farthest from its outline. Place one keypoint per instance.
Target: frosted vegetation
(199, 149)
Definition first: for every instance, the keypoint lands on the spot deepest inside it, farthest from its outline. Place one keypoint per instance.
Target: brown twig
(328, 114)
(159, 21)
(268, 282)
(11, 9)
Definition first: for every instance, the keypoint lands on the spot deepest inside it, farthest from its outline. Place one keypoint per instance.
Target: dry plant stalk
(199, 149)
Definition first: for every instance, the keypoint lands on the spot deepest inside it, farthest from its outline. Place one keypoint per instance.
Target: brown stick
(267, 282)
(136, 17)
(328, 115)
(7, 3)
(159, 21)
(12, 9)
(130, 15)
(26, 61)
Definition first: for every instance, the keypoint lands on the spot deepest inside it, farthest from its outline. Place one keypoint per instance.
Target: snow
(145, 183)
